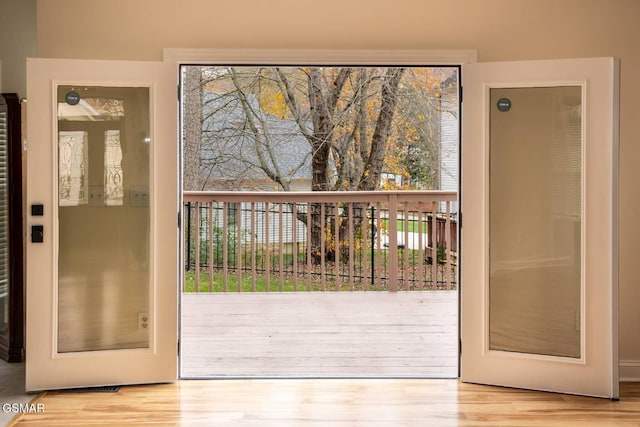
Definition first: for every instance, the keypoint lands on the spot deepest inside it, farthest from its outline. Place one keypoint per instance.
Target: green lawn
(413, 226)
(274, 283)
(303, 280)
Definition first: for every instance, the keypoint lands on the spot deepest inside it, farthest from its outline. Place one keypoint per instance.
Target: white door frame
(389, 57)
(429, 57)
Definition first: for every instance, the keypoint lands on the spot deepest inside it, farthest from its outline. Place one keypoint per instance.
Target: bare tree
(345, 114)
(332, 115)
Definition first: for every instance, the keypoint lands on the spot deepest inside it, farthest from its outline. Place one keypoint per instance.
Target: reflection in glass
(113, 190)
(72, 162)
(104, 249)
(535, 221)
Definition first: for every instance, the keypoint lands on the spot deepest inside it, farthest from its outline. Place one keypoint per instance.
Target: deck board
(355, 334)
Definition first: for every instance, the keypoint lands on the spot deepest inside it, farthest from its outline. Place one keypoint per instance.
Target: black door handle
(37, 233)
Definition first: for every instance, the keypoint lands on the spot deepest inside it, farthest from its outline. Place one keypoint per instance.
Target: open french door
(102, 200)
(539, 237)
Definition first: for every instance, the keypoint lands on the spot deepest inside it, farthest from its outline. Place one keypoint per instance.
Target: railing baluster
(186, 250)
(253, 246)
(323, 243)
(294, 244)
(393, 243)
(434, 243)
(210, 257)
(238, 206)
(336, 246)
(308, 243)
(406, 266)
(364, 253)
(281, 247)
(447, 246)
(421, 250)
(351, 246)
(225, 243)
(378, 260)
(267, 249)
(197, 248)
(183, 253)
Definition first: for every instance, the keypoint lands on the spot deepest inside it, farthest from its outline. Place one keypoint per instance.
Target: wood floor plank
(331, 402)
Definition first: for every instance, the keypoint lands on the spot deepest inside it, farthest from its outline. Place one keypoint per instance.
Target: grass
(260, 285)
(413, 226)
(302, 284)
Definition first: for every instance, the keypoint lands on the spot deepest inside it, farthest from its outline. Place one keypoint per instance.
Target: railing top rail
(320, 196)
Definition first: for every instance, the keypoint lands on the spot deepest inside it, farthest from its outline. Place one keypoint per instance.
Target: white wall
(17, 42)
(501, 30)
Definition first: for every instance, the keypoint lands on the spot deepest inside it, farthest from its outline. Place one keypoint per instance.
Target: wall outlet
(143, 322)
(139, 196)
(96, 195)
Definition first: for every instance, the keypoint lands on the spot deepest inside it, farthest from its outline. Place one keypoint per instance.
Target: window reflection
(91, 110)
(73, 158)
(97, 113)
(113, 179)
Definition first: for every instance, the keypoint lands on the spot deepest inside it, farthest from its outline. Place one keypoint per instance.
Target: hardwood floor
(11, 388)
(331, 402)
(322, 334)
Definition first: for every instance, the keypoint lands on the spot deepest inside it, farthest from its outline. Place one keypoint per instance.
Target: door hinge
(178, 348)
(179, 220)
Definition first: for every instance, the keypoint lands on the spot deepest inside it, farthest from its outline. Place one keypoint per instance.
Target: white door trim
(321, 56)
(174, 57)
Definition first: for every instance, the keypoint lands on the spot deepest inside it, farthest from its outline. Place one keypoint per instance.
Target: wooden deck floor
(355, 334)
(331, 402)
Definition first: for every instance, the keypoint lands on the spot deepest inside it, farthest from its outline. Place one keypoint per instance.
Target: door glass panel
(535, 220)
(103, 218)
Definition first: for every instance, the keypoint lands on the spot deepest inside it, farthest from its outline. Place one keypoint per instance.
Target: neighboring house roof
(231, 152)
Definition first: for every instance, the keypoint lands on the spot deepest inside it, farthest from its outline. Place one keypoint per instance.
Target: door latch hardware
(37, 233)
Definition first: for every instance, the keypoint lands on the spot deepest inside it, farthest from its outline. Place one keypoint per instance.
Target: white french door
(539, 239)
(102, 204)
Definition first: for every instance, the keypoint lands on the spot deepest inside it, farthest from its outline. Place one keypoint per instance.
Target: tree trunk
(192, 116)
(389, 98)
(322, 111)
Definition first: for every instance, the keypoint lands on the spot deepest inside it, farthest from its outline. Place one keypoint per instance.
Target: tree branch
(274, 175)
(290, 99)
